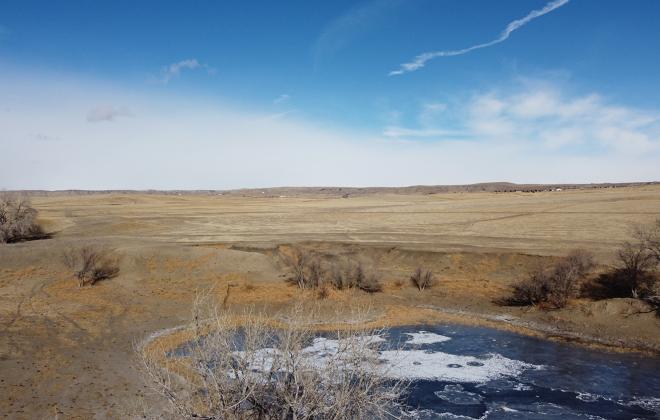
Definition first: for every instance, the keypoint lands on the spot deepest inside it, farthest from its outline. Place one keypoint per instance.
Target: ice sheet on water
(412, 364)
(455, 394)
(420, 364)
(425, 337)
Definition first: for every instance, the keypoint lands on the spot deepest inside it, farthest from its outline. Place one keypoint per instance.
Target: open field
(68, 351)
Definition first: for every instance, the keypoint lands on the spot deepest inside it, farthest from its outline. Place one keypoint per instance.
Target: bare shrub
(367, 281)
(423, 279)
(309, 271)
(91, 264)
(532, 290)
(339, 276)
(255, 370)
(315, 273)
(552, 286)
(18, 219)
(567, 275)
(636, 262)
(635, 273)
(297, 263)
(306, 269)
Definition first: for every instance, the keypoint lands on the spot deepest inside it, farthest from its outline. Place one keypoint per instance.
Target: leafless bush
(636, 261)
(309, 271)
(306, 269)
(297, 263)
(91, 264)
(18, 219)
(423, 279)
(255, 370)
(552, 286)
(635, 274)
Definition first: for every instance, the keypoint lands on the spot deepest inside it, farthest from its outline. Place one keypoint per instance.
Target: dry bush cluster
(310, 271)
(552, 286)
(18, 219)
(635, 274)
(91, 264)
(423, 279)
(254, 370)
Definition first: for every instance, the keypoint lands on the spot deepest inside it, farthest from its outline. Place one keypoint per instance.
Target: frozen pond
(470, 372)
(460, 372)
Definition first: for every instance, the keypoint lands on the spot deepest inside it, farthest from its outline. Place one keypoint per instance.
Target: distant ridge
(497, 187)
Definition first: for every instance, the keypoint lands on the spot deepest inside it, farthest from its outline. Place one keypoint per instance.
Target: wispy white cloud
(337, 34)
(107, 113)
(205, 144)
(173, 70)
(281, 99)
(542, 118)
(403, 132)
(421, 60)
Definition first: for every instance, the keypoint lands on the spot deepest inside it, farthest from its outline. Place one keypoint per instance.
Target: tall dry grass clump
(18, 219)
(253, 369)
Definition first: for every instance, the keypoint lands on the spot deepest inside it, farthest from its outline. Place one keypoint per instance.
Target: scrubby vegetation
(91, 264)
(251, 369)
(423, 279)
(635, 274)
(310, 271)
(552, 286)
(18, 219)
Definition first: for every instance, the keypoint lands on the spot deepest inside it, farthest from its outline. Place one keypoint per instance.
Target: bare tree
(423, 279)
(18, 219)
(636, 261)
(91, 264)
(298, 262)
(250, 369)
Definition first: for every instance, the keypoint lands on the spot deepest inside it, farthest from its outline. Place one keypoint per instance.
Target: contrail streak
(421, 59)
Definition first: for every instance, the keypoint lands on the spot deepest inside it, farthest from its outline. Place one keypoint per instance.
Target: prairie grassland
(68, 351)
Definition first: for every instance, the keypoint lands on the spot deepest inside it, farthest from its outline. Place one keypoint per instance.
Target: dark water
(482, 373)
(570, 383)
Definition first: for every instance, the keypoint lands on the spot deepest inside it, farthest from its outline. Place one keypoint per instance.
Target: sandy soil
(68, 352)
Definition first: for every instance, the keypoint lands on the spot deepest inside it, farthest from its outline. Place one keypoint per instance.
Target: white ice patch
(406, 364)
(420, 364)
(425, 337)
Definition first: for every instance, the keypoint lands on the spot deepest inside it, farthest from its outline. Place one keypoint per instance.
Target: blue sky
(212, 94)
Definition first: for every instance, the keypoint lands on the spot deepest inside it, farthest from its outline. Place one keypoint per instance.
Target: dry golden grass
(68, 350)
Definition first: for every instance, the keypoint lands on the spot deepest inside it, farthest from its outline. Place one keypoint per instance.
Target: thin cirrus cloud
(281, 99)
(421, 60)
(357, 20)
(174, 70)
(107, 113)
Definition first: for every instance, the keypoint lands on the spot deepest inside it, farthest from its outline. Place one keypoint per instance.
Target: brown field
(67, 352)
